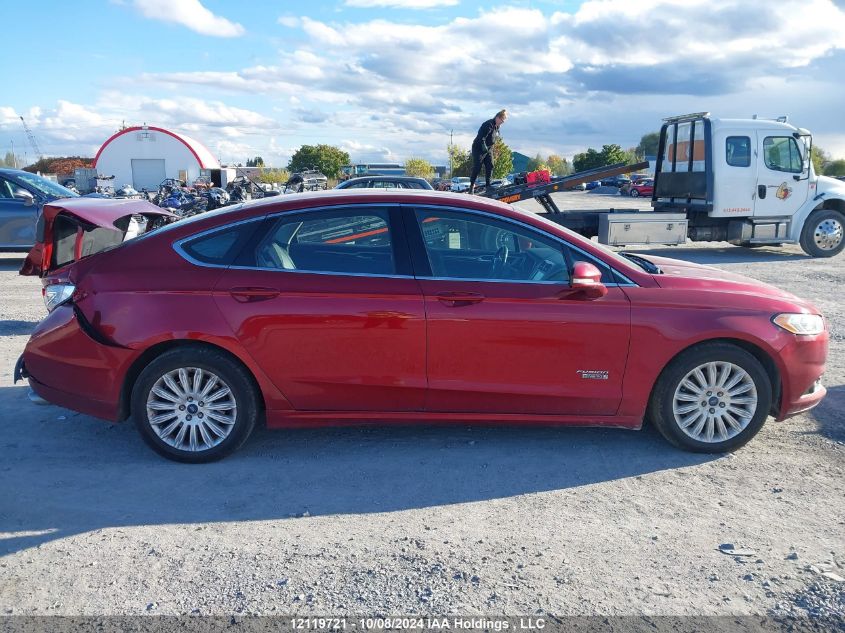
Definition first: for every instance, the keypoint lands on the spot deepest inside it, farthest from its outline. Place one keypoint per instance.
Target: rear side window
(220, 247)
(345, 241)
(738, 151)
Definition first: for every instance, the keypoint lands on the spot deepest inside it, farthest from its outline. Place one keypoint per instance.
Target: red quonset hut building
(144, 156)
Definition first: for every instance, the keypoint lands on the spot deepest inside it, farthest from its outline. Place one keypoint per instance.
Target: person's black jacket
(486, 137)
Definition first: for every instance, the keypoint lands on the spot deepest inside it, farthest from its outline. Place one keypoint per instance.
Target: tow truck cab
(748, 182)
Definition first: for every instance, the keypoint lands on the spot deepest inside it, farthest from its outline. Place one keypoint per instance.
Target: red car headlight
(800, 323)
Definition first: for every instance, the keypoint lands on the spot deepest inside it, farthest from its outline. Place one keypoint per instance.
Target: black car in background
(22, 195)
(385, 182)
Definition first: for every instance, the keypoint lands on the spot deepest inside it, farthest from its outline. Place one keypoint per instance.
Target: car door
(325, 302)
(17, 219)
(779, 193)
(506, 331)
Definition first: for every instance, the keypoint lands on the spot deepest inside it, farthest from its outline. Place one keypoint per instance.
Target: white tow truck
(745, 181)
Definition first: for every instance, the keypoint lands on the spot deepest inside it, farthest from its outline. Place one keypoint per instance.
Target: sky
(394, 79)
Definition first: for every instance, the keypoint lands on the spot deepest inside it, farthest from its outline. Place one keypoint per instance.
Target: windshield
(44, 186)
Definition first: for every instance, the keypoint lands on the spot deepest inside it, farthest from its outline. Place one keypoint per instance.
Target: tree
(835, 167)
(9, 160)
(502, 159)
(609, 155)
(255, 162)
(273, 176)
(419, 168)
(327, 158)
(538, 162)
(460, 160)
(591, 159)
(820, 159)
(559, 166)
(612, 154)
(648, 145)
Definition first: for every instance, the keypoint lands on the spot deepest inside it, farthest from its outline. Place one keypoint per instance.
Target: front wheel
(634, 193)
(711, 399)
(823, 234)
(194, 405)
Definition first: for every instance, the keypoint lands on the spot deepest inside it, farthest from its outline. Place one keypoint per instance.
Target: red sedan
(380, 306)
(642, 188)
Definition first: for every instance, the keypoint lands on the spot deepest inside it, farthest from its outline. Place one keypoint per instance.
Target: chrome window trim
(628, 282)
(320, 272)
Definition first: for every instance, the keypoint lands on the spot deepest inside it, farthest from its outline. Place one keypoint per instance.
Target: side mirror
(23, 194)
(586, 278)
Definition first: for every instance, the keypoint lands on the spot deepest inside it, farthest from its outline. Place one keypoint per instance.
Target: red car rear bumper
(66, 366)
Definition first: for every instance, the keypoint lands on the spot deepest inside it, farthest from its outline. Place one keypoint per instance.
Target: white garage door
(147, 173)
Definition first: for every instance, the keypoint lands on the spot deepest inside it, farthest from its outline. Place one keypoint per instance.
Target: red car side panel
(525, 349)
(333, 342)
(664, 322)
(115, 298)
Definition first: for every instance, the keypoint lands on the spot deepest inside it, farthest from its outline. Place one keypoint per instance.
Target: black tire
(214, 364)
(661, 412)
(811, 243)
(635, 193)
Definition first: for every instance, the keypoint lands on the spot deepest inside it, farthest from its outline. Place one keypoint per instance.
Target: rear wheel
(711, 399)
(823, 233)
(194, 405)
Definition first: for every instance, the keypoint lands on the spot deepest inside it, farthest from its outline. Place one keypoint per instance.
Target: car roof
(380, 177)
(8, 171)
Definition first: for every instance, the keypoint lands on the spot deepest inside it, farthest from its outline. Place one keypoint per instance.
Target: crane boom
(32, 140)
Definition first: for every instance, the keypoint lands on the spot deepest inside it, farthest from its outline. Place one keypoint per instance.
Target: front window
(781, 153)
(469, 246)
(45, 187)
(339, 242)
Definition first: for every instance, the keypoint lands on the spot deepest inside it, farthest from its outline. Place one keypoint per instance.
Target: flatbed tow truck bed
(611, 225)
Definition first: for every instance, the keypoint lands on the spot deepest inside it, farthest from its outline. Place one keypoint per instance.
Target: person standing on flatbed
(482, 148)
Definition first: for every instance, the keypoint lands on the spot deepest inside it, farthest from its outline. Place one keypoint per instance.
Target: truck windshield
(44, 186)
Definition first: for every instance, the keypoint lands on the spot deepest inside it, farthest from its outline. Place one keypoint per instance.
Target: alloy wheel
(714, 402)
(191, 409)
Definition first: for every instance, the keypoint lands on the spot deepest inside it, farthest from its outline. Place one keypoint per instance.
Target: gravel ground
(427, 520)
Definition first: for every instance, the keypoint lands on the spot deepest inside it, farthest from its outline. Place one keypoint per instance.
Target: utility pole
(450, 153)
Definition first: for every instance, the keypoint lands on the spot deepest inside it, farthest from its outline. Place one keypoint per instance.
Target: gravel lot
(427, 520)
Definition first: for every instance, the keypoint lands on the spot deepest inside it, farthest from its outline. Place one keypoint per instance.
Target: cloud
(607, 71)
(72, 128)
(191, 14)
(400, 4)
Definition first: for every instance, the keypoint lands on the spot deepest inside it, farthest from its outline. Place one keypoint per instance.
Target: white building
(144, 156)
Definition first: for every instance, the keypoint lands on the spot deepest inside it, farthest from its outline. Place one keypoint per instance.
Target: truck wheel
(823, 234)
(711, 399)
(194, 405)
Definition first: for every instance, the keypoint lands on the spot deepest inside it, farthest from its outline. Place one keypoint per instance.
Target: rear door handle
(249, 294)
(459, 299)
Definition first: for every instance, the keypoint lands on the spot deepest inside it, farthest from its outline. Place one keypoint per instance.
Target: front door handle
(761, 191)
(459, 299)
(249, 294)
